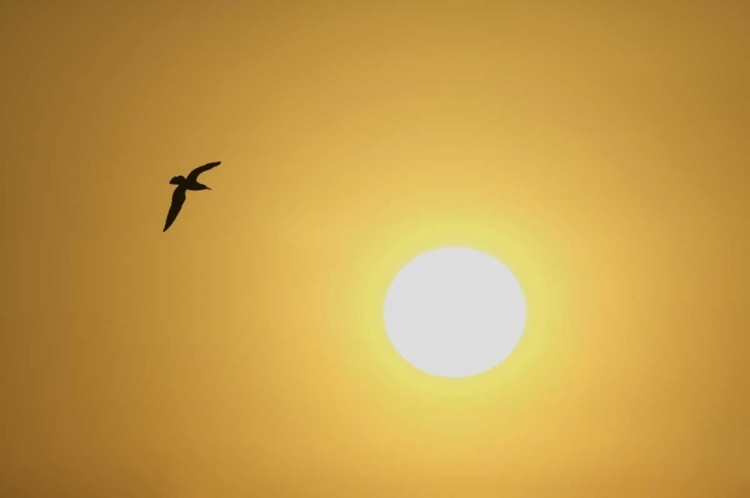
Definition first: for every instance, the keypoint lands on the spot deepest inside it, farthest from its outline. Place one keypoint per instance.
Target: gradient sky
(600, 150)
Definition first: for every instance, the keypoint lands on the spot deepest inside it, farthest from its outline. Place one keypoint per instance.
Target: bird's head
(177, 180)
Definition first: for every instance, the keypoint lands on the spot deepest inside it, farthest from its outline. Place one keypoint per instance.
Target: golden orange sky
(599, 149)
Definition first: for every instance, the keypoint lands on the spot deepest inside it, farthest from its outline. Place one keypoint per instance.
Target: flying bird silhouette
(183, 185)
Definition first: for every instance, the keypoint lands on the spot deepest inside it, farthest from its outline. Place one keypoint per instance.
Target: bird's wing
(193, 176)
(178, 199)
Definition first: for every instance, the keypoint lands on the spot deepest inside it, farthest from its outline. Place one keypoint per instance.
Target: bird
(183, 185)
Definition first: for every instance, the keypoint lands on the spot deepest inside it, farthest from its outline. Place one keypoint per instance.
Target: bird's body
(183, 185)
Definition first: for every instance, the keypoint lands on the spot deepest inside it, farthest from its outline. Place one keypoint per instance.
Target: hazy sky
(600, 150)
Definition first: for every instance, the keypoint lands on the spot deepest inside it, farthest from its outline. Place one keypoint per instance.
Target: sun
(455, 312)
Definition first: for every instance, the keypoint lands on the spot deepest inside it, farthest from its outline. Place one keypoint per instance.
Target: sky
(600, 150)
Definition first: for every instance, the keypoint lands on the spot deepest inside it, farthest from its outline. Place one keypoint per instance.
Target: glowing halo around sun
(455, 312)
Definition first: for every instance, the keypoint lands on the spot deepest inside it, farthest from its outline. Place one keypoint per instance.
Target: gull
(183, 185)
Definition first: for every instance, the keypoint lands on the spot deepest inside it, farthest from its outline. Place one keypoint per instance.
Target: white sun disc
(455, 312)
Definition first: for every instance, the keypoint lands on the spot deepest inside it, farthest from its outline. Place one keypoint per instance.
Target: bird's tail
(177, 180)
